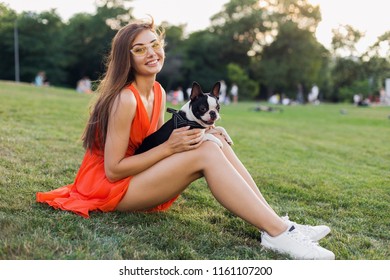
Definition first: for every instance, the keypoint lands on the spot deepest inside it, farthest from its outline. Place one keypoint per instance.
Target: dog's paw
(210, 137)
(224, 133)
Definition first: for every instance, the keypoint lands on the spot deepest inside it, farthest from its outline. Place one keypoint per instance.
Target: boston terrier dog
(201, 111)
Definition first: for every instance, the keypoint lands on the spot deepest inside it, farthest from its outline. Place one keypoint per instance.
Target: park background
(266, 47)
(325, 163)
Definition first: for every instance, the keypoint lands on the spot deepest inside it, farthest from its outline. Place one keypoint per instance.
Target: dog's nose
(213, 115)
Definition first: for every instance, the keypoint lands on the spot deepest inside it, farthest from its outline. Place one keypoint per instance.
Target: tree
(8, 21)
(89, 38)
(347, 70)
(293, 57)
(360, 87)
(172, 74)
(381, 48)
(246, 29)
(40, 45)
(201, 60)
(237, 28)
(66, 52)
(248, 88)
(344, 40)
(376, 62)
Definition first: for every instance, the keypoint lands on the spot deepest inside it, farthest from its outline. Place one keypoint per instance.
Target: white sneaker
(297, 245)
(315, 233)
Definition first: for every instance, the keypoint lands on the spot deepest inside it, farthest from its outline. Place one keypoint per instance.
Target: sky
(369, 16)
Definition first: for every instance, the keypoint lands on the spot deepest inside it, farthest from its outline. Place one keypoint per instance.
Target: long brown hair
(119, 74)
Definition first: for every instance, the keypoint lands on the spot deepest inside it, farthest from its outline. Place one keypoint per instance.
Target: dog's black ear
(216, 89)
(196, 91)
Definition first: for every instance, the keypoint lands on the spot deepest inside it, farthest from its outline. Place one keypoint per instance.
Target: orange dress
(91, 189)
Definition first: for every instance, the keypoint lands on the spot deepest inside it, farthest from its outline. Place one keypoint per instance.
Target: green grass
(311, 162)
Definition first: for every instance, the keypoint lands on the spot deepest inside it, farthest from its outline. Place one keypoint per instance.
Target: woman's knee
(209, 151)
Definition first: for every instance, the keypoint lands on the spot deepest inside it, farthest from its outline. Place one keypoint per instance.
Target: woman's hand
(184, 139)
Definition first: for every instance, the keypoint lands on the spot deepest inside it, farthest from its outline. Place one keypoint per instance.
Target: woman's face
(147, 53)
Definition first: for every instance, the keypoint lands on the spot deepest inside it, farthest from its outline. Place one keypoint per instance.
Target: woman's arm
(162, 110)
(117, 165)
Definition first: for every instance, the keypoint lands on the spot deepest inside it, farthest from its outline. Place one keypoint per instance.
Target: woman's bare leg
(235, 161)
(172, 175)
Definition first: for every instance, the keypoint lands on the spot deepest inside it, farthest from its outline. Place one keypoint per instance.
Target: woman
(130, 106)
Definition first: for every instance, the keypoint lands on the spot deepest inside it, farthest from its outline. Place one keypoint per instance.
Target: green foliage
(248, 88)
(205, 69)
(352, 74)
(294, 57)
(236, 28)
(41, 45)
(89, 40)
(345, 39)
(377, 69)
(345, 72)
(273, 42)
(7, 18)
(172, 74)
(375, 50)
(65, 51)
(357, 87)
(311, 162)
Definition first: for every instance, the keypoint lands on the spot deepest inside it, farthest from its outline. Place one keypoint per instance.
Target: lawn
(320, 164)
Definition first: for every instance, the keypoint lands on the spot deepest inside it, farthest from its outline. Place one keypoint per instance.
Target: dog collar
(180, 121)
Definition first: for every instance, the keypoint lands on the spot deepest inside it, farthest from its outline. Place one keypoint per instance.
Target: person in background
(222, 95)
(40, 79)
(234, 93)
(180, 95)
(84, 85)
(382, 96)
(300, 96)
(313, 95)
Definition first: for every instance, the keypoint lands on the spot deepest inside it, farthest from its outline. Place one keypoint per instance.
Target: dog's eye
(203, 109)
(218, 107)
